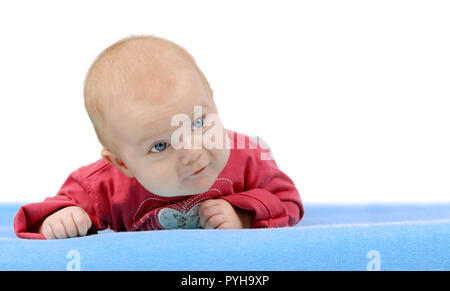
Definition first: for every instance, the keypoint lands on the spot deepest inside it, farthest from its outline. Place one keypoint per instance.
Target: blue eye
(198, 123)
(159, 147)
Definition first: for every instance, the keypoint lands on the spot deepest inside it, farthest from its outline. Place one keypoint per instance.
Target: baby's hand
(68, 222)
(218, 213)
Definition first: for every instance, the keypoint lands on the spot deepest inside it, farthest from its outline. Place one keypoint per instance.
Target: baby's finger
(47, 231)
(206, 213)
(70, 226)
(82, 221)
(225, 225)
(208, 203)
(214, 221)
(58, 229)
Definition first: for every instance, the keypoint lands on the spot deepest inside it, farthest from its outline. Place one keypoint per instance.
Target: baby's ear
(109, 157)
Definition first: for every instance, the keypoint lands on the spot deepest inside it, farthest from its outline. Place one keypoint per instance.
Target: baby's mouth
(200, 170)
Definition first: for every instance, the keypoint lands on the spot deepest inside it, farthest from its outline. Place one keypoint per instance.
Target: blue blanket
(330, 237)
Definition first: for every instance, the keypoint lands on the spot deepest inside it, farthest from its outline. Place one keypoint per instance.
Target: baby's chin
(186, 188)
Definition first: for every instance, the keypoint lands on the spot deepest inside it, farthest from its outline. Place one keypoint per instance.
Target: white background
(353, 97)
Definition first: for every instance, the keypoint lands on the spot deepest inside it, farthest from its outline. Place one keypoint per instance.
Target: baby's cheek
(159, 178)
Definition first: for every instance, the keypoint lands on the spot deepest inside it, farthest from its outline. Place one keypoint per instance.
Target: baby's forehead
(137, 122)
(180, 96)
(146, 102)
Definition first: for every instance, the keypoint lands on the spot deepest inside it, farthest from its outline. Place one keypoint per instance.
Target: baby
(155, 174)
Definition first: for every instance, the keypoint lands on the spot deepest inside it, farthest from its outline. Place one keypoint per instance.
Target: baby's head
(132, 91)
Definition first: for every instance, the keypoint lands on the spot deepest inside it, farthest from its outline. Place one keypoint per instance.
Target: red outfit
(113, 200)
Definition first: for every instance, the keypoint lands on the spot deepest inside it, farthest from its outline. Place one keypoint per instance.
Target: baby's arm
(70, 221)
(49, 218)
(270, 195)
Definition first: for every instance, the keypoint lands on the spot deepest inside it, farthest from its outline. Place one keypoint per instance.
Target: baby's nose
(190, 155)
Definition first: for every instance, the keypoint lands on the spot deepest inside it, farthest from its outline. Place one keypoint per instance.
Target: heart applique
(172, 219)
